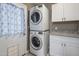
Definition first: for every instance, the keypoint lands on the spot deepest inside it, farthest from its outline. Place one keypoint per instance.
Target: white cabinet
(56, 46)
(71, 49)
(57, 12)
(71, 46)
(67, 46)
(65, 12)
(71, 11)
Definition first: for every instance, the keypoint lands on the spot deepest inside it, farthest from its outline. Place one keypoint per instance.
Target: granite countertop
(75, 35)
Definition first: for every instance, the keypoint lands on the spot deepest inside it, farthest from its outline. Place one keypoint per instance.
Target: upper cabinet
(71, 11)
(57, 12)
(65, 12)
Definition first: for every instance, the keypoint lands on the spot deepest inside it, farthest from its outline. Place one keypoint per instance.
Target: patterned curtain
(11, 19)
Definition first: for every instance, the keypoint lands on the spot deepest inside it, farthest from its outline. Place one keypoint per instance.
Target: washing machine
(39, 18)
(39, 43)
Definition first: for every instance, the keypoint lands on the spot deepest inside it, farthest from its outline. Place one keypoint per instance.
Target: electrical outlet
(56, 28)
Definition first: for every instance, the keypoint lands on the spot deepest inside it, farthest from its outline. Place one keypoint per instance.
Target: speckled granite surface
(65, 34)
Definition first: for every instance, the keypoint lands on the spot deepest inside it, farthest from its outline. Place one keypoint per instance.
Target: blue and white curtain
(11, 19)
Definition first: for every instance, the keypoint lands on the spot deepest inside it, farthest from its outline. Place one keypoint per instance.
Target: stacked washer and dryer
(39, 30)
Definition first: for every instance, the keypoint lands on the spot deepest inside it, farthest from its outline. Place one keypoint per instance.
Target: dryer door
(36, 42)
(36, 16)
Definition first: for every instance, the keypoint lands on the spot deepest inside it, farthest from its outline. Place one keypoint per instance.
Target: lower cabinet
(56, 47)
(71, 49)
(64, 46)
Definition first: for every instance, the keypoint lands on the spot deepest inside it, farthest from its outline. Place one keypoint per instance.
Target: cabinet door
(71, 49)
(57, 12)
(71, 46)
(56, 46)
(71, 11)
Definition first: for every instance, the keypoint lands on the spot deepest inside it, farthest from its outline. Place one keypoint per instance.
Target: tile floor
(29, 54)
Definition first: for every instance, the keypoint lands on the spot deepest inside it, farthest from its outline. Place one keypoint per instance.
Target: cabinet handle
(64, 19)
(64, 45)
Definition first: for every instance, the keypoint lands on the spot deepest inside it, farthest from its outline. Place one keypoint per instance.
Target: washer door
(36, 17)
(36, 42)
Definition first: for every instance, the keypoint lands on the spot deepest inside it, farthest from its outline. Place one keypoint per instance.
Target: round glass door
(36, 43)
(36, 17)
